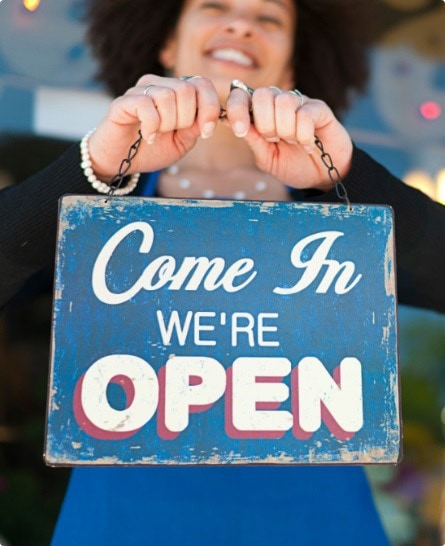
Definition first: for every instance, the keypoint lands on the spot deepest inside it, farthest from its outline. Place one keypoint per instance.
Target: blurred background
(48, 99)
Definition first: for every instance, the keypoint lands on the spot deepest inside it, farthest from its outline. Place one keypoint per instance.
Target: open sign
(203, 332)
(193, 384)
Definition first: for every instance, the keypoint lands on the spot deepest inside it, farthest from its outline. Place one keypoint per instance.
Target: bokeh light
(421, 181)
(31, 5)
(430, 110)
(441, 186)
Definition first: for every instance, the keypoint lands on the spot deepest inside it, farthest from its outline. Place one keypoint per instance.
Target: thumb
(187, 137)
(260, 147)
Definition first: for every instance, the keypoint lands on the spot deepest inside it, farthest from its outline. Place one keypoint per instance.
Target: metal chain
(333, 173)
(124, 167)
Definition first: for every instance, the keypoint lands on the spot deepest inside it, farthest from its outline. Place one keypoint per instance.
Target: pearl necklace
(207, 193)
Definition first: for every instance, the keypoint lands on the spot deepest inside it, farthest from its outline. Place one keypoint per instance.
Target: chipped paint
(360, 323)
(390, 266)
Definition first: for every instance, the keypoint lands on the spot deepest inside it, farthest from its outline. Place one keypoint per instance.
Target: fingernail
(208, 129)
(272, 139)
(151, 138)
(308, 149)
(240, 129)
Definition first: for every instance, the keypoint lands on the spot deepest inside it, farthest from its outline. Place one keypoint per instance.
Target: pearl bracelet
(99, 186)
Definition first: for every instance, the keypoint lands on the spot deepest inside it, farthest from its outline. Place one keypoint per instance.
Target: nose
(240, 26)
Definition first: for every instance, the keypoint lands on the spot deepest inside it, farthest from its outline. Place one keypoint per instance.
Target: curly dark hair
(330, 51)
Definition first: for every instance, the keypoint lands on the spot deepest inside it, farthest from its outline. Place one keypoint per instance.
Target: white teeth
(232, 55)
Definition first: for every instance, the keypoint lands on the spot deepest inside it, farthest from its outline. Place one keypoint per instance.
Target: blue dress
(212, 506)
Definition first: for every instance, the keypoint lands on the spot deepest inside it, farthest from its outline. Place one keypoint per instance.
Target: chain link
(334, 175)
(124, 167)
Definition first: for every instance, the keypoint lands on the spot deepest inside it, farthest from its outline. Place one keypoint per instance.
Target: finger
(285, 117)
(164, 100)
(184, 96)
(208, 105)
(186, 104)
(305, 130)
(238, 108)
(260, 147)
(151, 79)
(196, 100)
(135, 110)
(313, 116)
(263, 106)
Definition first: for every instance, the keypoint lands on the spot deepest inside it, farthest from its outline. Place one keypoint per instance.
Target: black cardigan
(28, 220)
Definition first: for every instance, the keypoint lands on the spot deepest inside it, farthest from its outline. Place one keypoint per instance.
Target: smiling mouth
(233, 56)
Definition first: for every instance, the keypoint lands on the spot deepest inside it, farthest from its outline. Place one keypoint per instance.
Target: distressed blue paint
(360, 324)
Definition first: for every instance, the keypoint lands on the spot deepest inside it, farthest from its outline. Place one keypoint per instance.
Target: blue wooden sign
(219, 332)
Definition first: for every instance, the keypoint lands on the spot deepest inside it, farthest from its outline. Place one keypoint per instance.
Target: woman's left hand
(280, 128)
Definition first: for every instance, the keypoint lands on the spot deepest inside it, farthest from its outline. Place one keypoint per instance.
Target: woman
(263, 148)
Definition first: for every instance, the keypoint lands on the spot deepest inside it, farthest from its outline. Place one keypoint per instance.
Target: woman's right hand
(171, 114)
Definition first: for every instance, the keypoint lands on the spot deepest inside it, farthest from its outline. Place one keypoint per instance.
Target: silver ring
(299, 95)
(147, 89)
(188, 78)
(238, 84)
